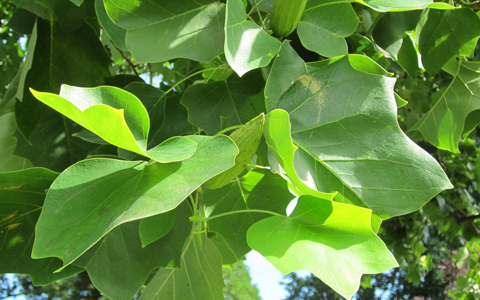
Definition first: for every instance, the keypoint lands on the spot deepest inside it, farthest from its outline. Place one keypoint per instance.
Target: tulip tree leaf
(397, 5)
(390, 29)
(334, 241)
(116, 33)
(344, 121)
(118, 117)
(121, 265)
(22, 194)
(156, 227)
(324, 26)
(278, 138)
(444, 123)
(104, 193)
(247, 138)
(247, 46)
(259, 189)
(160, 30)
(235, 101)
(8, 141)
(441, 35)
(57, 58)
(286, 68)
(200, 276)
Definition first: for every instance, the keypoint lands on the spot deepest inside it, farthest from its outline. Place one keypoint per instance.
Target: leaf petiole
(261, 211)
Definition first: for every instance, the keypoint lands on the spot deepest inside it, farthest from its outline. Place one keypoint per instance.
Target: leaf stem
(190, 76)
(261, 211)
(130, 63)
(228, 129)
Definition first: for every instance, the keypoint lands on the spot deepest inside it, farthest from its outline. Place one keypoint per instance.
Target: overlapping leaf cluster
(157, 188)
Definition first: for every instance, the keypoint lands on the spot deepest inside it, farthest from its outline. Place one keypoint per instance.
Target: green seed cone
(285, 15)
(247, 139)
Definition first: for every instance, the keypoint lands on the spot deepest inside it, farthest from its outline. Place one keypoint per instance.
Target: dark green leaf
(236, 101)
(390, 29)
(21, 198)
(116, 33)
(120, 265)
(8, 142)
(156, 227)
(259, 189)
(57, 58)
(443, 124)
(200, 276)
(443, 34)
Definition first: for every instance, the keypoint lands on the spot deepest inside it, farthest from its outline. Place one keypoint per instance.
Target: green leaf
(21, 199)
(236, 100)
(94, 196)
(332, 240)
(118, 117)
(443, 124)
(53, 144)
(408, 56)
(121, 266)
(247, 138)
(260, 190)
(247, 46)
(443, 34)
(57, 58)
(390, 29)
(397, 5)
(8, 142)
(345, 123)
(117, 34)
(162, 30)
(34, 8)
(200, 276)
(156, 227)
(175, 122)
(69, 16)
(324, 26)
(154, 101)
(278, 138)
(286, 68)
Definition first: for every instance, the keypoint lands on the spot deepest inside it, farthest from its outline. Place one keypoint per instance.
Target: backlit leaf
(332, 240)
(118, 117)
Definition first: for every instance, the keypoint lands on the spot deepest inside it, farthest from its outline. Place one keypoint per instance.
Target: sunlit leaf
(104, 193)
(118, 117)
(344, 122)
(247, 46)
(258, 190)
(161, 30)
(332, 240)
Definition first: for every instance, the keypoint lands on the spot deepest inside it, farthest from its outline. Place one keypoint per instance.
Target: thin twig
(132, 65)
